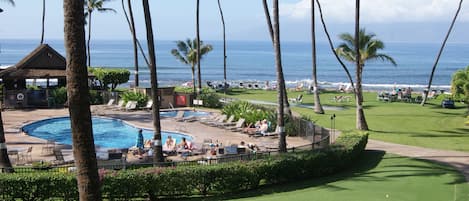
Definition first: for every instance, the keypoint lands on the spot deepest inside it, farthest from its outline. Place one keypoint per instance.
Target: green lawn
(375, 176)
(404, 123)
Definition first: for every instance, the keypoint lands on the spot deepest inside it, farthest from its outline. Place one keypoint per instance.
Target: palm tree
(439, 53)
(79, 104)
(317, 102)
(224, 46)
(197, 32)
(130, 22)
(90, 6)
(43, 19)
(282, 144)
(157, 146)
(186, 53)
(5, 162)
(286, 105)
(134, 37)
(367, 49)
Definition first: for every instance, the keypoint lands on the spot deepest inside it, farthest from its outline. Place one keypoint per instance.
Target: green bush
(59, 95)
(95, 97)
(250, 112)
(210, 100)
(113, 77)
(132, 96)
(171, 182)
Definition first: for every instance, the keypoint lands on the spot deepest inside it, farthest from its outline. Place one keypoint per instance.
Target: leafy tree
(111, 77)
(460, 85)
(90, 6)
(79, 102)
(368, 48)
(186, 53)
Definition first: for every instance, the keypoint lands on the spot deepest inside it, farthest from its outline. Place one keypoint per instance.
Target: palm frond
(178, 56)
(383, 57)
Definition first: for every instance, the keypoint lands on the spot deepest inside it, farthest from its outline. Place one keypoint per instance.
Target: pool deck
(13, 120)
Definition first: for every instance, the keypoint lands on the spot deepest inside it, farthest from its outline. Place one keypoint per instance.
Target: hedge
(168, 182)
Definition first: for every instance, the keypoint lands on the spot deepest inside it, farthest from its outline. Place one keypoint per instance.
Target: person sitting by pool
(264, 127)
(185, 148)
(252, 128)
(169, 146)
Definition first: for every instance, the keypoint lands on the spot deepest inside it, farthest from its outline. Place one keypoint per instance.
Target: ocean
(253, 62)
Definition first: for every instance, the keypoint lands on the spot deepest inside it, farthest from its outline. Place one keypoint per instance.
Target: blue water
(187, 113)
(254, 61)
(108, 133)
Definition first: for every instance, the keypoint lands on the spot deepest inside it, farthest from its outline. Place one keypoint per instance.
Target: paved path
(457, 159)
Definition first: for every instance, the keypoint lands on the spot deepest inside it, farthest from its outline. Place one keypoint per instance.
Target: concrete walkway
(457, 159)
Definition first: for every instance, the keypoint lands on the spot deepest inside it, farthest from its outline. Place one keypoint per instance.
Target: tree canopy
(460, 84)
(113, 77)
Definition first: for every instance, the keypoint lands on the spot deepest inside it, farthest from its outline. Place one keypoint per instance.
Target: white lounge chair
(149, 105)
(238, 126)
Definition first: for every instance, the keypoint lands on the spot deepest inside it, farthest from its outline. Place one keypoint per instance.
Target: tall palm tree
(157, 146)
(282, 144)
(286, 105)
(43, 19)
(90, 6)
(79, 104)
(317, 101)
(439, 53)
(367, 49)
(5, 162)
(129, 22)
(197, 32)
(224, 46)
(186, 52)
(134, 37)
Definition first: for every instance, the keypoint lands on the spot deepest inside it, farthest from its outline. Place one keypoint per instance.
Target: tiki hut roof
(42, 62)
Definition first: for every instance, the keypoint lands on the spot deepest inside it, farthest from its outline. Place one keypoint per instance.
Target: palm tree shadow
(368, 160)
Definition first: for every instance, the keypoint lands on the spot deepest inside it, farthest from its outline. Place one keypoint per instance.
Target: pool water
(187, 113)
(108, 132)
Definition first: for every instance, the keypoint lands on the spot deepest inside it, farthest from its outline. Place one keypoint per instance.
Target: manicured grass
(376, 176)
(404, 123)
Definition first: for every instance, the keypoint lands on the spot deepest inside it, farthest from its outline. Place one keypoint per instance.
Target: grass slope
(375, 176)
(404, 123)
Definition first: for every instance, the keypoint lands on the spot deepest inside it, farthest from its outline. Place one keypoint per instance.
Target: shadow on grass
(367, 161)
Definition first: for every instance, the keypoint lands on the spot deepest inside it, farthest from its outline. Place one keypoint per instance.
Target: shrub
(111, 77)
(171, 182)
(250, 112)
(210, 100)
(132, 96)
(59, 95)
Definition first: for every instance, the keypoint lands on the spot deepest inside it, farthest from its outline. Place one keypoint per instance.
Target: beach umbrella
(139, 143)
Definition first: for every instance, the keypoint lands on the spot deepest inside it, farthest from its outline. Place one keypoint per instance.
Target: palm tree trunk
(79, 105)
(130, 27)
(317, 102)
(5, 163)
(331, 45)
(282, 144)
(89, 38)
(224, 46)
(286, 104)
(43, 20)
(134, 41)
(425, 95)
(157, 145)
(193, 80)
(199, 84)
(361, 121)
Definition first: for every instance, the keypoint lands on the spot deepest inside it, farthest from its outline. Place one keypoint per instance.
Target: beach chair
(220, 120)
(110, 103)
(119, 105)
(298, 99)
(228, 122)
(238, 126)
(149, 105)
(131, 105)
(48, 148)
(25, 155)
(179, 116)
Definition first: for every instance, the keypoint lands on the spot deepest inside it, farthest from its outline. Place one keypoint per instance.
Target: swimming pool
(187, 113)
(108, 132)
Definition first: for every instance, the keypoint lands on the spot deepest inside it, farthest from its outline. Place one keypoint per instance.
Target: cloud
(378, 11)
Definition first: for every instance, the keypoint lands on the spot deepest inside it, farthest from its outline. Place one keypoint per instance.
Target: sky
(391, 20)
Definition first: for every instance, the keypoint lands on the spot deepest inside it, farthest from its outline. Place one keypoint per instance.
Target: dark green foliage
(132, 96)
(210, 100)
(250, 112)
(111, 77)
(95, 97)
(59, 95)
(171, 182)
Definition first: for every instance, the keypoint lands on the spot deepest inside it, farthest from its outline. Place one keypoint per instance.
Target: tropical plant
(111, 77)
(460, 85)
(135, 96)
(78, 98)
(90, 6)
(368, 48)
(59, 95)
(425, 95)
(250, 112)
(186, 53)
(317, 102)
(157, 146)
